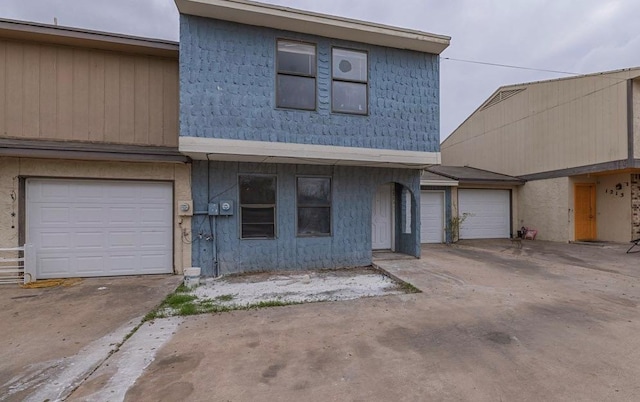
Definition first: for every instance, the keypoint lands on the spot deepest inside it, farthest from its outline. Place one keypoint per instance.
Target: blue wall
(353, 189)
(227, 90)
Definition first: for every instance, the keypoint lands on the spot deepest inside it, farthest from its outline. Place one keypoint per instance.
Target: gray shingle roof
(466, 174)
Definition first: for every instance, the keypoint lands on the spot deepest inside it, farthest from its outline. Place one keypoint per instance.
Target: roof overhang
(289, 19)
(88, 151)
(216, 149)
(493, 183)
(43, 33)
(468, 176)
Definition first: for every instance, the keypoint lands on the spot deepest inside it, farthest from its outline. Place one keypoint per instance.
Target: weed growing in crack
(269, 303)
(225, 298)
(409, 288)
(176, 300)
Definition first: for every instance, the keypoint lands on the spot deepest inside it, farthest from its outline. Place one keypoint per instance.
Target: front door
(381, 219)
(585, 211)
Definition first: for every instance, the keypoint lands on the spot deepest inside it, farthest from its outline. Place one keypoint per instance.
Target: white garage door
(489, 213)
(100, 228)
(432, 217)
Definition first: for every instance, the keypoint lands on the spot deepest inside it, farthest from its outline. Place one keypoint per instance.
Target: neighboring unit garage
(432, 214)
(99, 227)
(488, 213)
(97, 218)
(435, 207)
(482, 201)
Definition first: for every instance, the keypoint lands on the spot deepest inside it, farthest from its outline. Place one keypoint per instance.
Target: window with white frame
(349, 88)
(296, 75)
(407, 205)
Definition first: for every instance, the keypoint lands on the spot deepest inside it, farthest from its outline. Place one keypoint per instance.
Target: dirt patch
(280, 288)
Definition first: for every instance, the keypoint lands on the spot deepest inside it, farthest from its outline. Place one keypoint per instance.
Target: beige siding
(613, 207)
(549, 126)
(544, 206)
(636, 118)
(12, 168)
(52, 92)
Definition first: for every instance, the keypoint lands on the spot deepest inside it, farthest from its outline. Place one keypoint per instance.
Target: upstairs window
(296, 75)
(257, 206)
(349, 81)
(314, 206)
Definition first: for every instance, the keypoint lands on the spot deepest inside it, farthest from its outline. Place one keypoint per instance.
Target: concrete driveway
(52, 338)
(548, 322)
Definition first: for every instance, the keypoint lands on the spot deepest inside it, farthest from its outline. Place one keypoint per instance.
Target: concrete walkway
(53, 338)
(553, 322)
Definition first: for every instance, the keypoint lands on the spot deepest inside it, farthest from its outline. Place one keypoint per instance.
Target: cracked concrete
(549, 321)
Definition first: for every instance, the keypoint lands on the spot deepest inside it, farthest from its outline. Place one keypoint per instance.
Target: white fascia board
(439, 183)
(280, 152)
(289, 19)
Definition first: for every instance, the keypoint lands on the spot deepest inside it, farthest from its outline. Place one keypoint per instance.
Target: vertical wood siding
(52, 92)
(550, 125)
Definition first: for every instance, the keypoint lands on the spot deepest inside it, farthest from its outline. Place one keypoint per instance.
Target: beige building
(89, 168)
(576, 142)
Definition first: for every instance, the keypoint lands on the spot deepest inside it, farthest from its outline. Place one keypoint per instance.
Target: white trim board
(217, 149)
(439, 183)
(290, 19)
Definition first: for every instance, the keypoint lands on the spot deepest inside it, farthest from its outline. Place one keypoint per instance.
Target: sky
(585, 36)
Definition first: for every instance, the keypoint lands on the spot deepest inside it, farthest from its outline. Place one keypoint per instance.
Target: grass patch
(188, 309)
(409, 288)
(152, 315)
(225, 298)
(182, 288)
(176, 300)
(270, 303)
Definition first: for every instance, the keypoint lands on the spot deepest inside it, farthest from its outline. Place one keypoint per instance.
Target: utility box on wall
(213, 209)
(226, 207)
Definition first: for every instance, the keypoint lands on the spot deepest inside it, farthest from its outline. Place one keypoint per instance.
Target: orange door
(585, 211)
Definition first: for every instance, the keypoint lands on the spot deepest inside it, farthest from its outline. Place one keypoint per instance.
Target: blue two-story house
(308, 134)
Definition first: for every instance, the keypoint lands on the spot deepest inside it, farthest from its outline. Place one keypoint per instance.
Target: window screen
(349, 81)
(314, 206)
(257, 206)
(296, 75)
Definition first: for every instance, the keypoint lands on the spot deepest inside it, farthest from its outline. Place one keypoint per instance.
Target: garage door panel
(152, 238)
(124, 264)
(84, 215)
(122, 194)
(55, 240)
(89, 240)
(50, 192)
(156, 195)
(89, 265)
(119, 240)
(431, 217)
(152, 261)
(53, 267)
(153, 216)
(53, 215)
(88, 192)
(488, 213)
(100, 227)
(122, 215)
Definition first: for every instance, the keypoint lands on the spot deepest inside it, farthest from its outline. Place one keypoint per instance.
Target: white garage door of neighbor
(432, 217)
(100, 228)
(489, 213)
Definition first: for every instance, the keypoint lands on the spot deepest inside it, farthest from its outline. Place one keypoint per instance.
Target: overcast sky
(566, 35)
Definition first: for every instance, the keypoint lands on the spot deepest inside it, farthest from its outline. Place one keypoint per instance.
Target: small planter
(192, 277)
